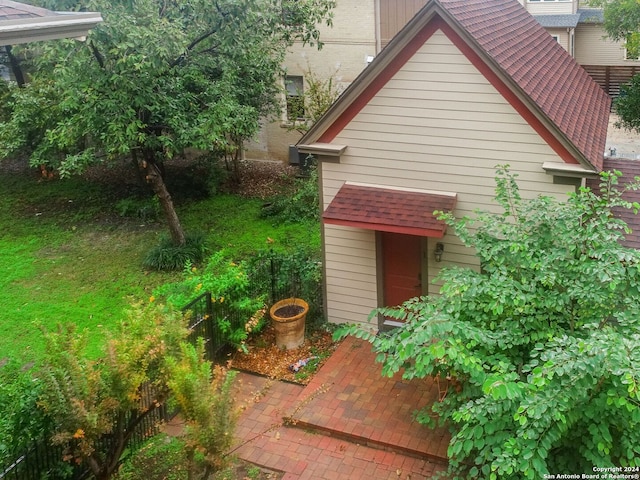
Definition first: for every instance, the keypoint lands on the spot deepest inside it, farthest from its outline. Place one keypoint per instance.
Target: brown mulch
(265, 358)
(264, 179)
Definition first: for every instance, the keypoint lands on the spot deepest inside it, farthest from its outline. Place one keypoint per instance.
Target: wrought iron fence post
(209, 306)
(273, 277)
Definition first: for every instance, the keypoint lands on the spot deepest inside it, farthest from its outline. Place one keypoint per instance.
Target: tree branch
(96, 53)
(200, 39)
(191, 46)
(15, 66)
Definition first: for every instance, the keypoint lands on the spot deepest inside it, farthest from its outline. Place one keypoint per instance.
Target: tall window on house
(294, 85)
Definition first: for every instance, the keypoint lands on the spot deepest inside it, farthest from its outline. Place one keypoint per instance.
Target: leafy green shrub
(169, 257)
(541, 347)
(160, 457)
(116, 396)
(142, 208)
(228, 284)
(302, 205)
(21, 422)
(205, 396)
(285, 274)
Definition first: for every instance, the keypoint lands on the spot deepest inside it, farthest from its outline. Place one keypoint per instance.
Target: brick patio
(348, 423)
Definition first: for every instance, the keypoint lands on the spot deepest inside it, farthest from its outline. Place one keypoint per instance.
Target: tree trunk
(152, 174)
(15, 67)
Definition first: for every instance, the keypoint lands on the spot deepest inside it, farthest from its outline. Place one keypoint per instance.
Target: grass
(67, 256)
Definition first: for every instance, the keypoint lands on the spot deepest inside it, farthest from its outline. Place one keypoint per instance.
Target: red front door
(402, 264)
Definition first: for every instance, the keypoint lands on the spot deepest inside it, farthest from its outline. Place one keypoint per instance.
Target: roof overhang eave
(71, 25)
(567, 170)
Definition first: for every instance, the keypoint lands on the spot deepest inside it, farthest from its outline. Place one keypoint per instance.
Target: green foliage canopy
(541, 348)
(156, 78)
(158, 75)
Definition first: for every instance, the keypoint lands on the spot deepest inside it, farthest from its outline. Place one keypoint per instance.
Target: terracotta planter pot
(289, 326)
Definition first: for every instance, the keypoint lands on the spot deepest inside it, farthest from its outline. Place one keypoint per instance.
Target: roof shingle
(574, 108)
(389, 209)
(10, 10)
(541, 68)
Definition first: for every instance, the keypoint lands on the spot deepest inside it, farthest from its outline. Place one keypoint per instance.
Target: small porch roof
(390, 209)
(558, 21)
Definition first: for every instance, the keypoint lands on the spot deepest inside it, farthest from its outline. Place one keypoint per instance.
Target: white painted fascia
(61, 25)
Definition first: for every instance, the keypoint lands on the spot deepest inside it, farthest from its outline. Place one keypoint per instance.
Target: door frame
(385, 324)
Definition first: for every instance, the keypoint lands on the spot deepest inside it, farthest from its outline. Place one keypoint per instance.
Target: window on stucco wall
(294, 85)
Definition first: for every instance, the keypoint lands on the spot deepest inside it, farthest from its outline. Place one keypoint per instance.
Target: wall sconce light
(439, 251)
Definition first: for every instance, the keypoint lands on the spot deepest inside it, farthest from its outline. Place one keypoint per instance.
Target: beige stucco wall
(437, 125)
(343, 56)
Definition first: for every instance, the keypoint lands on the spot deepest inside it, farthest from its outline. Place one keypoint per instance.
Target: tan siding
(350, 269)
(562, 35)
(444, 131)
(342, 58)
(394, 14)
(551, 8)
(593, 48)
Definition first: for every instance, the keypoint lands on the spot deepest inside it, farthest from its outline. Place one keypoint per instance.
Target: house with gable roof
(362, 29)
(466, 85)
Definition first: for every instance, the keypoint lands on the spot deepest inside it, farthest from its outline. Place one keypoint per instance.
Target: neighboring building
(22, 23)
(363, 27)
(578, 28)
(465, 86)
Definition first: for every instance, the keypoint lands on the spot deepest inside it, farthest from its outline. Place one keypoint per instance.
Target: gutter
(62, 25)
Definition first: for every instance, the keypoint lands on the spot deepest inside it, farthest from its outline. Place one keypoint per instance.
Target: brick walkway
(348, 423)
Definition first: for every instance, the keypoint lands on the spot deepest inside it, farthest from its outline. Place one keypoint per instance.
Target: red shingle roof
(541, 68)
(10, 10)
(389, 210)
(629, 169)
(570, 110)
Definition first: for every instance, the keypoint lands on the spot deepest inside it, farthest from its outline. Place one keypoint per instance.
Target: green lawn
(66, 256)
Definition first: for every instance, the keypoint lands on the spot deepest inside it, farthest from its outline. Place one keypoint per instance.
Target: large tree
(540, 348)
(158, 76)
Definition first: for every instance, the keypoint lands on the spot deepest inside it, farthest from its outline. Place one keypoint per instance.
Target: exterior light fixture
(439, 251)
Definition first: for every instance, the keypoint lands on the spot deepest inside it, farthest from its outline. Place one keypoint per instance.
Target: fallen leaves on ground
(265, 358)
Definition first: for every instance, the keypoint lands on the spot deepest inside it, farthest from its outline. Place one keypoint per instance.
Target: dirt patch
(624, 143)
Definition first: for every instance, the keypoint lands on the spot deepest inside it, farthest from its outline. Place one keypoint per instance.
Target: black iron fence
(275, 275)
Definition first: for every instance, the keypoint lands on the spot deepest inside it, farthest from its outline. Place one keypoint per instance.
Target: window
(294, 86)
(556, 38)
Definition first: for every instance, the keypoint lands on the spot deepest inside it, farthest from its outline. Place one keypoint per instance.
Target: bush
(22, 422)
(160, 457)
(206, 399)
(284, 275)
(228, 283)
(302, 205)
(142, 208)
(169, 257)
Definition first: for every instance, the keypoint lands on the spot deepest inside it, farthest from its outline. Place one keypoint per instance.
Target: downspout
(572, 43)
